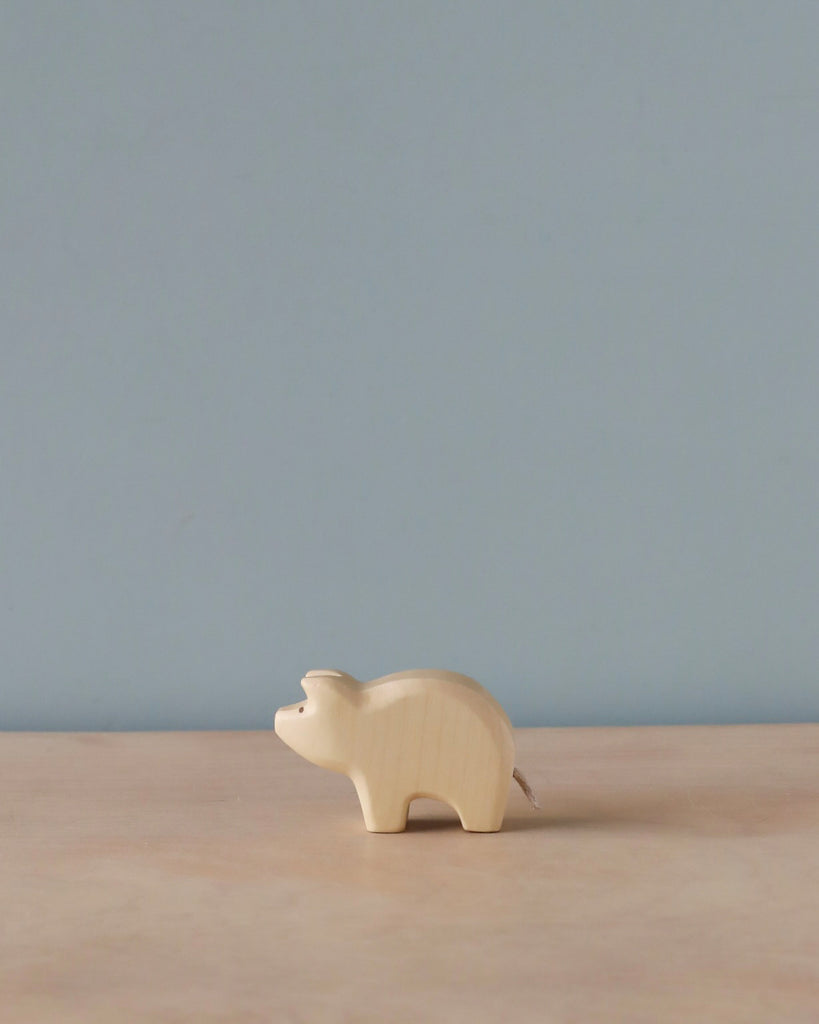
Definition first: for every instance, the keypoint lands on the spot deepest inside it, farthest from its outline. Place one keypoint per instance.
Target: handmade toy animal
(421, 733)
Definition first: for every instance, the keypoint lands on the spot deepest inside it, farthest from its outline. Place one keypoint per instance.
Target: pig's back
(434, 684)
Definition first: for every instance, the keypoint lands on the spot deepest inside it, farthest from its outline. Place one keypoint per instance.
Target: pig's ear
(329, 679)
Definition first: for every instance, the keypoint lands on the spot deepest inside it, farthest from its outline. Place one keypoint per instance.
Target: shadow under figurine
(423, 733)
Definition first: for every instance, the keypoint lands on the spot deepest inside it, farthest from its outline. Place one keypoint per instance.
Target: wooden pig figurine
(412, 734)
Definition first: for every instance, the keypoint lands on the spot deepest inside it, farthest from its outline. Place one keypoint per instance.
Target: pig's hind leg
(482, 809)
(481, 820)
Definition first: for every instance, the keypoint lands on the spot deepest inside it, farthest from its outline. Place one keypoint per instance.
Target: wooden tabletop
(671, 875)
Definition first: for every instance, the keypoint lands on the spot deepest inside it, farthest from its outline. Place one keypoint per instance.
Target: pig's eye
(301, 711)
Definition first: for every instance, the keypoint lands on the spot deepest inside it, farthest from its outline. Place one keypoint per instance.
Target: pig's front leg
(383, 812)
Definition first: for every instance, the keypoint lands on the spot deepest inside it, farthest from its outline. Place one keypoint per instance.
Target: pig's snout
(285, 720)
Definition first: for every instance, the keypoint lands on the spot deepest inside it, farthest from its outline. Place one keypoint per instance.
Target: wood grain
(672, 875)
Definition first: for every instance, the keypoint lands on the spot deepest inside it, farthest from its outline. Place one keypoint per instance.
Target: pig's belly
(441, 756)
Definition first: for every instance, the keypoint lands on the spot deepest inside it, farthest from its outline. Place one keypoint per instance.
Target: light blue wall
(379, 335)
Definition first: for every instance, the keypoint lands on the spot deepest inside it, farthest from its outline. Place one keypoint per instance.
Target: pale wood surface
(672, 875)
